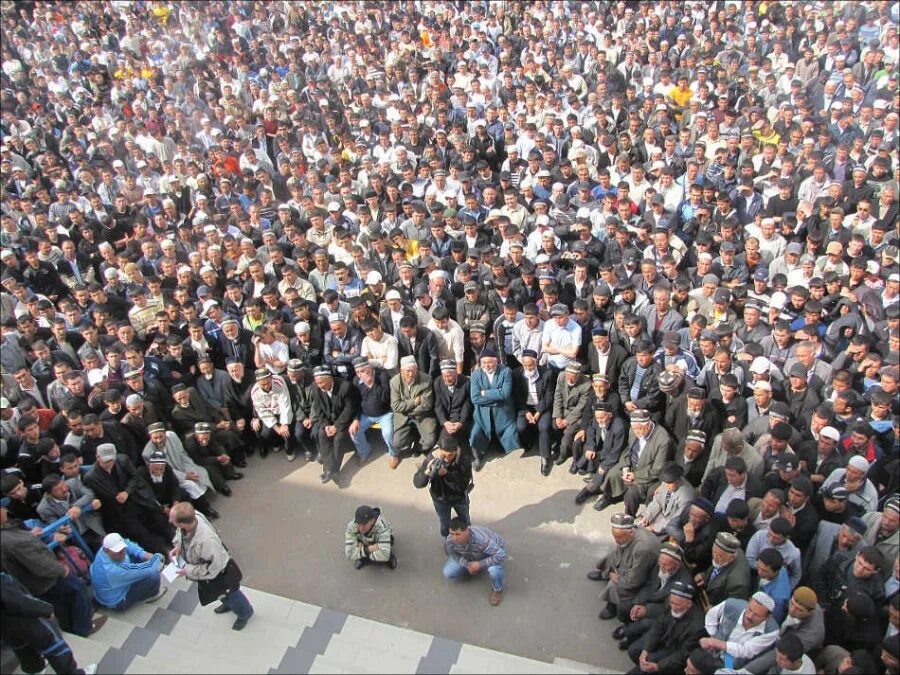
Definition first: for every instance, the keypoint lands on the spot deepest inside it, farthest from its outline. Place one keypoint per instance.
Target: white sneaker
(153, 598)
(91, 669)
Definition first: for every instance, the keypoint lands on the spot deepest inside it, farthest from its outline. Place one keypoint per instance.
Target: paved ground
(286, 531)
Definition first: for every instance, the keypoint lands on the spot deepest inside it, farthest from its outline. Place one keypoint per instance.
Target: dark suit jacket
(716, 483)
(678, 422)
(425, 353)
(456, 407)
(649, 396)
(339, 409)
(241, 349)
(610, 449)
(617, 356)
(546, 387)
(732, 582)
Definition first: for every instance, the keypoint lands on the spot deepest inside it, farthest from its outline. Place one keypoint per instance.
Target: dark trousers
(35, 639)
(541, 429)
(567, 439)
(150, 529)
(232, 442)
(332, 449)
(140, 591)
(71, 604)
(270, 438)
(443, 512)
(216, 471)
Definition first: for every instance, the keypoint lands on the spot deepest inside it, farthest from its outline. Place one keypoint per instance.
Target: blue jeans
(238, 603)
(443, 512)
(363, 449)
(453, 570)
(140, 590)
(71, 604)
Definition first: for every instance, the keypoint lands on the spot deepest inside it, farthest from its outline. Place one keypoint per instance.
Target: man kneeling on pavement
(369, 539)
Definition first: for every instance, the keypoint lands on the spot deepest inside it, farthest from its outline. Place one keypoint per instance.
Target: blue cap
(761, 274)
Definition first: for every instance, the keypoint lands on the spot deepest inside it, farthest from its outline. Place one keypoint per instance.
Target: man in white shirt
(561, 339)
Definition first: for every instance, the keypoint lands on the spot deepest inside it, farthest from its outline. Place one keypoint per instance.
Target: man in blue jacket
(123, 573)
(493, 410)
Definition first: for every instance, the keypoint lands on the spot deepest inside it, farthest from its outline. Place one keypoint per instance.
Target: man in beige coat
(627, 567)
(412, 400)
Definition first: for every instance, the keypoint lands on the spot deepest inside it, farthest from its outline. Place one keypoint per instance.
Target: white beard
(663, 578)
(156, 479)
(678, 615)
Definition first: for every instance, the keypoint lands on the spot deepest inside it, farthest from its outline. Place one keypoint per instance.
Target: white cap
(114, 542)
(393, 294)
(830, 432)
(373, 278)
(408, 361)
(334, 206)
(207, 305)
(133, 400)
(301, 327)
(760, 365)
(762, 384)
(859, 462)
(763, 599)
(141, 164)
(778, 300)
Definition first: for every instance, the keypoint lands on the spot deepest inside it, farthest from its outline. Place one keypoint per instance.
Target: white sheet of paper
(170, 572)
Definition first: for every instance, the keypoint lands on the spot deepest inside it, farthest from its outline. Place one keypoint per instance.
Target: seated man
(412, 400)
(123, 573)
(670, 499)
(494, 412)
(368, 538)
(60, 500)
(740, 630)
(472, 549)
(627, 567)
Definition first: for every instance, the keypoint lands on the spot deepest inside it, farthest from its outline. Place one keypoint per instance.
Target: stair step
(373, 656)
(577, 666)
(186, 661)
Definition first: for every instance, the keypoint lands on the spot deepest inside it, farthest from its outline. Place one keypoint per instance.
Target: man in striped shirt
(473, 549)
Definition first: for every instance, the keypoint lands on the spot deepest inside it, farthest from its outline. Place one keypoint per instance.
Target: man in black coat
(448, 475)
(419, 342)
(691, 411)
(335, 404)
(603, 446)
(533, 391)
(730, 482)
(452, 402)
(129, 506)
(235, 342)
(672, 636)
(639, 382)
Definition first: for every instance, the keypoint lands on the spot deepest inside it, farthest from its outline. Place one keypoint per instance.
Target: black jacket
(452, 488)
(716, 483)
(339, 409)
(671, 640)
(425, 352)
(649, 396)
(546, 388)
(455, 407)
(375, 401)
(609, 450)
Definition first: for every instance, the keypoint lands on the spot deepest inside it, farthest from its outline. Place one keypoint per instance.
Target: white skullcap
(764, 600)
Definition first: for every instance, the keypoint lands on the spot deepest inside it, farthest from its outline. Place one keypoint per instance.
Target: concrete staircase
(175, 634)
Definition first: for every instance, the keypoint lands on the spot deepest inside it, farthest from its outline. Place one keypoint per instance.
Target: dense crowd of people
(655, 243)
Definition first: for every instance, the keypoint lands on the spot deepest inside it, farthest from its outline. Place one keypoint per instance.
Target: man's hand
(579, 436)
(330, 430)
(192, 475)
(630, 405)
(589, 454)
(223, 459)
(637, 612)
(688, 530)
(613, 577)
(307, 423)
(371, 548)
(122, 497)
(174, 552)
(240, 424)
(256, 424)
(698, 580)
(628, 478)
(59, 537)
(73, 513)
(224, 424)
(560, 423)
(96, 504)
(282, 430)
(647, 666)
(354, 427)
(473, 567)
(712, 644)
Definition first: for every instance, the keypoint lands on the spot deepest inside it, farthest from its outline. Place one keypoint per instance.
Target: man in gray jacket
(671, 497)
(70, 497)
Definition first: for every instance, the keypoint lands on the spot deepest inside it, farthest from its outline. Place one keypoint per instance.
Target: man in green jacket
(368, 538)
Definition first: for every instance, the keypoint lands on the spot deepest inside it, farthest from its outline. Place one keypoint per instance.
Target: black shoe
(360, 563)
(546, 465)
(263, 453)
(250, 450)
(222, 609)
(237, 475)
(212, 514)
(573, 468)
(588, 478)
(602, 503)
(309, 456)
(241, 464)
(624, 643)
(326, 477)
(561, 459)
(582, 496)
(392, 562)
(595, 575)
(225, 490)
(478, 463)
(239, 624)
(583, 472)
(619, 632)
(608, 612)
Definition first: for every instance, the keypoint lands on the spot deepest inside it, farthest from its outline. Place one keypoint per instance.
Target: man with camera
(448, 474)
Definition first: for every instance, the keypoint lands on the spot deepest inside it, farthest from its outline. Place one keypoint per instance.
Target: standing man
(448, 475)
(472, 549)
(368, 538)
(494, 410)
(334, 407)
(412, 400)
(207, 561)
